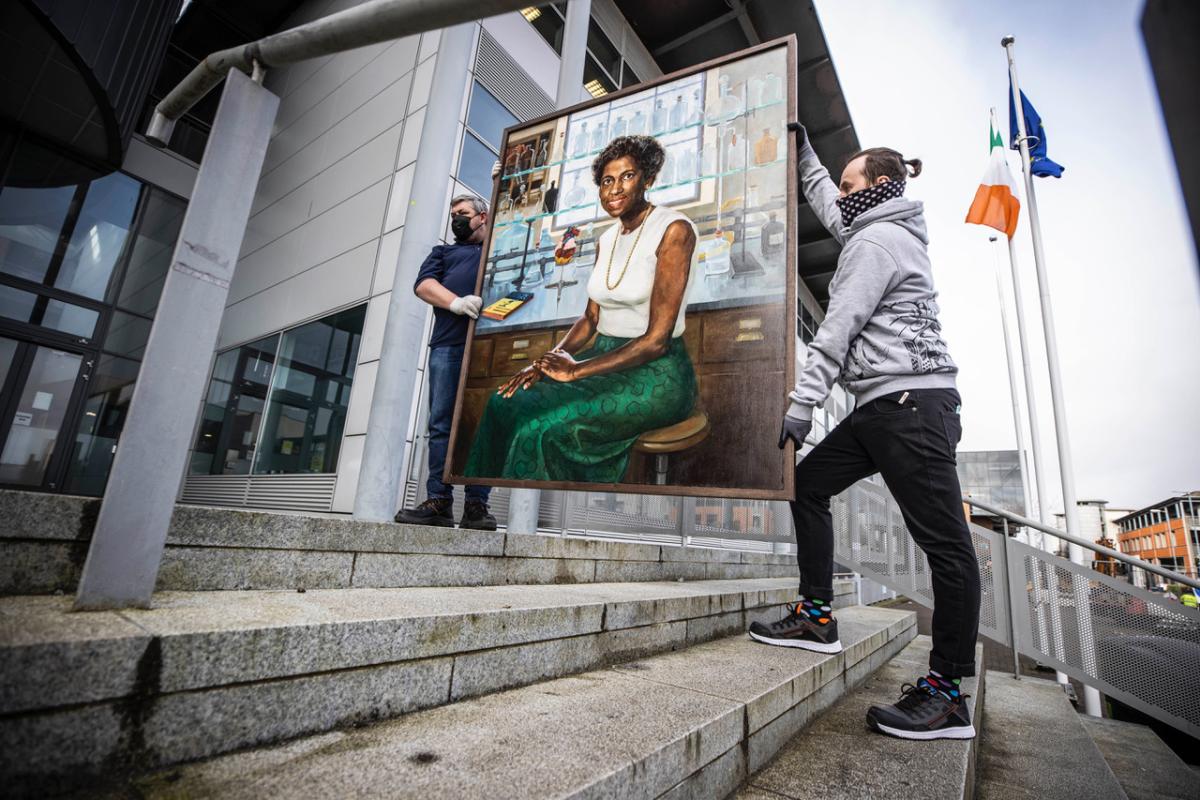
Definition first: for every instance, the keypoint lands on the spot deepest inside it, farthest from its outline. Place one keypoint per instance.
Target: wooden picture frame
(740, 330)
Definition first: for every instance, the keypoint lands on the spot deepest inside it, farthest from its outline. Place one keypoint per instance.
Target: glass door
(39, 384)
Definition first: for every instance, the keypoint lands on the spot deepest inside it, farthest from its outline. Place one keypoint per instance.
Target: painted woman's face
(621, 186)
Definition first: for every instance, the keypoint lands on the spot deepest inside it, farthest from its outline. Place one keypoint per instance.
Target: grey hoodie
(881, 333)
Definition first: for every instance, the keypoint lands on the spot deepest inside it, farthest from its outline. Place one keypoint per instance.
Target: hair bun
(914, 167)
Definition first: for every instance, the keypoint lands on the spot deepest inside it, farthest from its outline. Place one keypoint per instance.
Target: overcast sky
(920, 76)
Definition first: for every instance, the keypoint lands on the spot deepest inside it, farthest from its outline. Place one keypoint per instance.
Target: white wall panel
(385, 264)
(429, 44)
(372, 336)
(422, 83)
(349, 461)
(343, 227)
(337, 183)
(336, 283)
(411, 141)
(360, 398)
(397, 209)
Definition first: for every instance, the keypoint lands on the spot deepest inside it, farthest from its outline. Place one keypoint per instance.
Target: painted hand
(558, 365)
(794, 429)
(522, 380)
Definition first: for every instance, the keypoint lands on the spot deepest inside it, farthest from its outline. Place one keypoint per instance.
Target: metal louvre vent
(501, 76)
(284, 492)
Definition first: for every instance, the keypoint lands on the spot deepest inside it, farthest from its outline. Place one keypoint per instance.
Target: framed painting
(639, 302)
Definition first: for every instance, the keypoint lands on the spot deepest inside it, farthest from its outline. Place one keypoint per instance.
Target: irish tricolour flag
(996, 204)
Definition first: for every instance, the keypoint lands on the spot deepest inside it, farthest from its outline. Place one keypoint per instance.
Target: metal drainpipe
(369, 23)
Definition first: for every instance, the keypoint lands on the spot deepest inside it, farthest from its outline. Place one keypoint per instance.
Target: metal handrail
(1097, 548)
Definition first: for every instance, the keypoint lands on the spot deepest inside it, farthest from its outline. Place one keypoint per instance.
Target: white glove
(468, 305)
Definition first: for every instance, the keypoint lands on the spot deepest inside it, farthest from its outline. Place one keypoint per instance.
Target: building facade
(1166, 533)
(284, 419)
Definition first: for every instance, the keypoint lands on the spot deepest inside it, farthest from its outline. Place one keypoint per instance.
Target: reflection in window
(98, 239)
(475, 165)
(487, 117)
(109, 391)
(150, 254)
(127, 334)
(22, 306)
(602, 49)
(310, 395)
(279, 405)
(549, 22)
(31, 221)
(39, 414)
(595, 80)
(233, 409)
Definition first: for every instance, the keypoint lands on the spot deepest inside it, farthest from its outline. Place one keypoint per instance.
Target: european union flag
(1039, 163)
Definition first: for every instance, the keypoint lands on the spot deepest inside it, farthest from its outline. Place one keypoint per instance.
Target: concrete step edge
(869, 764)
(680, 724)
(1035, 746)
(135, 682)
(1142, 762)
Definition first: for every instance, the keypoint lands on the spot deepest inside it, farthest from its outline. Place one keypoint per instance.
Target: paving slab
(1145, 766)
(1030, 731)
(858, 763)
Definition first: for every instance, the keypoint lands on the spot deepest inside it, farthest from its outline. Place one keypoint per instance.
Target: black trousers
(911, 444)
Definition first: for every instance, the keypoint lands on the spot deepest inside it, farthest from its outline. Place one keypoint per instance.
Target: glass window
(595, 80)
(40, 411)
(488, 117)
(233, 409)
(628, 76)
(24, 306)
(127, 335)
(110, 389)
(31, 222)
(549, 23)
(310, 394)
(99, 235)
(475, 165)
(603, 50)
(151, 252)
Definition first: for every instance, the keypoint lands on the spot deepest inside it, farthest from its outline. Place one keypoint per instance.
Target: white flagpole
(1013, 391)
(1066, 466)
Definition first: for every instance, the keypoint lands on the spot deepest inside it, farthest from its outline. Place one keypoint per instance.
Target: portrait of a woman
(621, 369)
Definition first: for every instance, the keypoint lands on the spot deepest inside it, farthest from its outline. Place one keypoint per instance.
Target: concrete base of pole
(131, 531)
(523, 510)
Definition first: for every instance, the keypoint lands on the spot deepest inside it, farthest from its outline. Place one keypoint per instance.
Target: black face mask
(461, 228)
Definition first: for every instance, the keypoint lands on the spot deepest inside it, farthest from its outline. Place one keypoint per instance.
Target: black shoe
(796, 630)
(476, 517)
(922, 713)
(434, 511)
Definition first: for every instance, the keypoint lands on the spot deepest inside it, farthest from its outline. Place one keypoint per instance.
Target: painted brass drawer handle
(518, 357)
(749, 336)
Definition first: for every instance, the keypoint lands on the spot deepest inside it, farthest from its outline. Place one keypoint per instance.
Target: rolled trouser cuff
(952, 669)
(820, 592)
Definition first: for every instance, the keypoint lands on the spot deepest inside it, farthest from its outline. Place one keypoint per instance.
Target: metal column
(382, 468)
(523, 504)
(127, 545)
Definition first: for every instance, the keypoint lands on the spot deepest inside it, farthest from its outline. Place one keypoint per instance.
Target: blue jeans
(445, 364)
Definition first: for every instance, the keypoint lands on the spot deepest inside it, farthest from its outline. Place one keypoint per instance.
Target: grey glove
(796, 430)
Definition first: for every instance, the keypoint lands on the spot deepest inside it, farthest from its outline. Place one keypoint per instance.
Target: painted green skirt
(583, 430)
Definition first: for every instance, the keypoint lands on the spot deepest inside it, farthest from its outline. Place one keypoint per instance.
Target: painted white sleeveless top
(625, 310)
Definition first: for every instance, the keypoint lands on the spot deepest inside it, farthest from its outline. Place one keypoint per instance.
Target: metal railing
(1139, 647)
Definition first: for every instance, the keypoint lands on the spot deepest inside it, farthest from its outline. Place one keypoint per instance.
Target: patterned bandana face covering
(856, 203)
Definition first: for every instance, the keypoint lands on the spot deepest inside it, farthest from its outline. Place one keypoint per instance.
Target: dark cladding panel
(110, 48)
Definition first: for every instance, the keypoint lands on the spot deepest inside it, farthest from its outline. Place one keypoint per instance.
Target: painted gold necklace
(608, 273)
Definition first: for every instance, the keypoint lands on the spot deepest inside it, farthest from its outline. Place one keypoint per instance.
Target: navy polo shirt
(455, 266)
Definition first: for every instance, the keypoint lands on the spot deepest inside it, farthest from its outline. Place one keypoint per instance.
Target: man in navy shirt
(447, 282)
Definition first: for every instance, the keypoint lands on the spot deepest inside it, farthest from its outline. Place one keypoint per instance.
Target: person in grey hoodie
(882, 342)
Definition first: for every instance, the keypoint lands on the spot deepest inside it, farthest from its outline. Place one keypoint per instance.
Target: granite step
(44, 542)
(679, 725)
(1145, 766)
(208, 672)
(859, 764)
(1035, 747)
